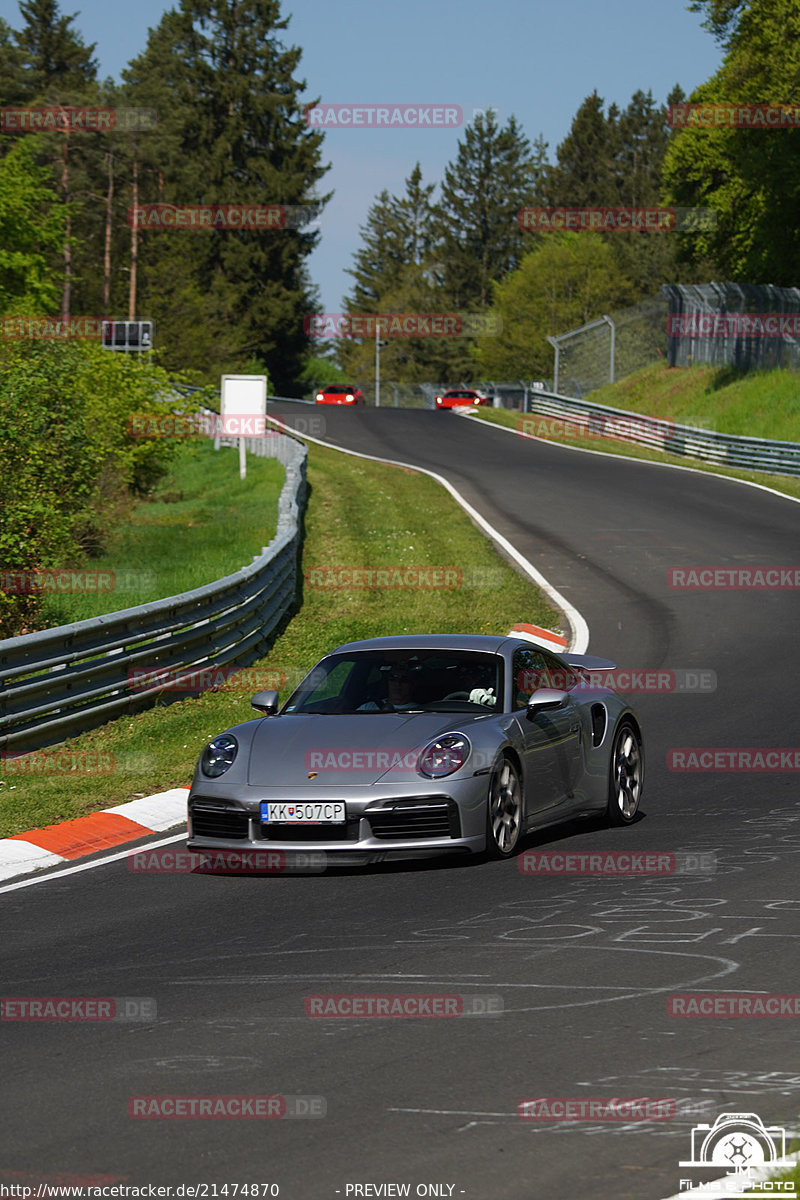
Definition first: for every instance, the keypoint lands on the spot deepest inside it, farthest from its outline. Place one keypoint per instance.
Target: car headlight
(218, 756)
(444, 756)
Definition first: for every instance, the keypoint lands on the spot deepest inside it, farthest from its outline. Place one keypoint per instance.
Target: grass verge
(201, 523)
(792, 1177)
(764, 404)
(360, 514)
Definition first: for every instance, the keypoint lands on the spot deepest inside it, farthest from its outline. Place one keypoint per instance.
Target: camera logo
(738, 1142)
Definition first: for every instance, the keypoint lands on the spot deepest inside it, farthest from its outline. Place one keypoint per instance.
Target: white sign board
(243, 408)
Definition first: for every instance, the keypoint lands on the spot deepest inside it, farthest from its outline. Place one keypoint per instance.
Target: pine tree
(59, 69)
(587, 160)
(643, 136)
(57, 62)
(541, 172)
(226, 297)
(12, 88)
(478, 239)
(397, 236)
(722, 16)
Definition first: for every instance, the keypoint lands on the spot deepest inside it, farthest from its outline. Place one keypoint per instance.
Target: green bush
(68, 464)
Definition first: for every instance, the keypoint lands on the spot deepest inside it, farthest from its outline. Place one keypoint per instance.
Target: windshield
(458, 681)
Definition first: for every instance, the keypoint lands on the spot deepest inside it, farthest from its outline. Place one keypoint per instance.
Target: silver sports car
(408, 746)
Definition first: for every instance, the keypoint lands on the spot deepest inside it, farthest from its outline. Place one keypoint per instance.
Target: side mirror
(544, 699)
(266, 702)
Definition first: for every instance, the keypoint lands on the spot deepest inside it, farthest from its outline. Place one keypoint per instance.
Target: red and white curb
(23, 853)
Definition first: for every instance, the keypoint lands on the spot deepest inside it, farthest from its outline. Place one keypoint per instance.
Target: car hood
(348, 750)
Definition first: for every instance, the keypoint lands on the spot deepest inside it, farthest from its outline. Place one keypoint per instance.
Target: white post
(377, 363)
(608, 321)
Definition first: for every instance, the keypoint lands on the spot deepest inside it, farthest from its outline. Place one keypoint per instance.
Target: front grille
(404, 820)
(277, 832)
(210, 820)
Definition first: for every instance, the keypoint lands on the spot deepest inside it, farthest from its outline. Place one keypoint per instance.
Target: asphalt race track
(583, 965)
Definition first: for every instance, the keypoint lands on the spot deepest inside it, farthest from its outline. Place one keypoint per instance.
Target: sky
(534, 59)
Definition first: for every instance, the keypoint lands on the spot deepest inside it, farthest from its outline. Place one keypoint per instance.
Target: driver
(400, 688)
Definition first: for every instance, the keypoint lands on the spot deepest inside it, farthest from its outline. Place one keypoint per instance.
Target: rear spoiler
(587, 662)
(558, 644)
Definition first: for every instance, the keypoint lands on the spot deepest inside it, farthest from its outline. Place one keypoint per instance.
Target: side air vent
(599, 723)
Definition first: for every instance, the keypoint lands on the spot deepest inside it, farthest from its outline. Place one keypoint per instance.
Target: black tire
(504, 810)
(626, 774)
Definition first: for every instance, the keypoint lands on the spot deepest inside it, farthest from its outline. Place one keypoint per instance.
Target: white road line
(89, 866)
(531, 437)
(579, 640)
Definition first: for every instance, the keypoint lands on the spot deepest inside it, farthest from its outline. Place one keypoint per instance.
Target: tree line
(224, 84)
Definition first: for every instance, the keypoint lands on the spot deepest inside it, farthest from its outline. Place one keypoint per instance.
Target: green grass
(360, 514)
(764, 404)
(792, 1176)
(202, 522)
(787, 484)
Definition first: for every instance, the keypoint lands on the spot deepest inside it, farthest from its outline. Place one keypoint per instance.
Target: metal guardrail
(61, 681)
(724, 449)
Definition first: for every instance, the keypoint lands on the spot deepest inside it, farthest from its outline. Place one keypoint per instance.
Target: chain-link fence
(740, 325)
(615, 345)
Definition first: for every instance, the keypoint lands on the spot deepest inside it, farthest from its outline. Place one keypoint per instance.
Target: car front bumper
(380, 824)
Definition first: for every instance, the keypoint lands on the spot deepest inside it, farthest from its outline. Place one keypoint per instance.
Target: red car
(460, 398)
(340, 393)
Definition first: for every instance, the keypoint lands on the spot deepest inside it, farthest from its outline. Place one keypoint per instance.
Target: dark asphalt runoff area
(582, 966)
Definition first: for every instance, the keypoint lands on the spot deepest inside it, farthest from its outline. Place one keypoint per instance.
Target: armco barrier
(724, 449)
(61, 681)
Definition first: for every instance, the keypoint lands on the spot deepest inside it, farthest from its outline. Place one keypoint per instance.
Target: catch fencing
(689, 303)
(59, 682)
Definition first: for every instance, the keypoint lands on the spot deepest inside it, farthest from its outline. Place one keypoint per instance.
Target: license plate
(316, 813)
